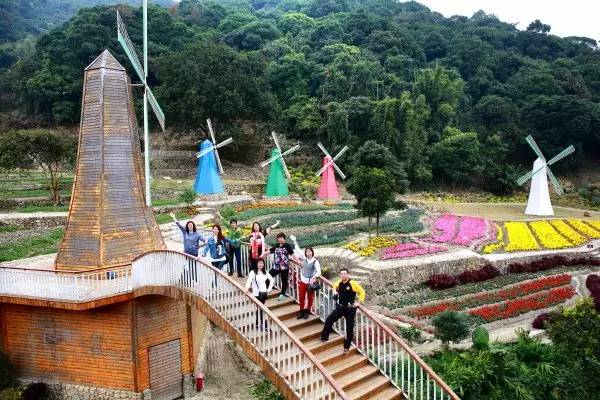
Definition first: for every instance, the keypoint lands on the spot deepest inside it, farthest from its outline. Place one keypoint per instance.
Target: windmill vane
(215, 146)
(280, 155)
(142, 73)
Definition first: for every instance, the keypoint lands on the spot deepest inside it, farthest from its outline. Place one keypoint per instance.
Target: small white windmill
(276, 182)
(208, 180)
(214, 146)
(538, 202)
(142, 73)
(328, 188)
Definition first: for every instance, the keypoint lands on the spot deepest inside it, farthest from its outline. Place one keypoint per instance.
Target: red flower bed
(512, 308)
(513, 292)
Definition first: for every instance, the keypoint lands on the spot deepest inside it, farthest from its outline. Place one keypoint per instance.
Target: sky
(567, 18)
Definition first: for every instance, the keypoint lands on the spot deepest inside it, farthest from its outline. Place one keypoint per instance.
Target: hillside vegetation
(452, 98)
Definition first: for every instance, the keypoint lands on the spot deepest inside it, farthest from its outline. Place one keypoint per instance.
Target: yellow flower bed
(280, 204)
(492, 247)
(595, 224)
(584, 228)
(374, 244)
(548, 236)
(571, 234)
(520, 237)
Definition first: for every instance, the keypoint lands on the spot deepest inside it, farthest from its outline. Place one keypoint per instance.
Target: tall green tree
(374, 190)
(52, 151)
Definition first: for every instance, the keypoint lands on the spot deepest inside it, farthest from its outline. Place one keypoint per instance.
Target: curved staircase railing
(298, 367)
(385, 349)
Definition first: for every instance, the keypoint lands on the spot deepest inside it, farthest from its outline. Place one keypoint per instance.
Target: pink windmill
(328, 188)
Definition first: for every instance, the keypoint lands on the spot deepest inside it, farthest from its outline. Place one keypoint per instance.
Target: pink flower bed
(405, 250)
(469, 229)
(445, 228)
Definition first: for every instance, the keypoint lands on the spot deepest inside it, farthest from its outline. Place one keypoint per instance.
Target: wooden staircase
(359, 378)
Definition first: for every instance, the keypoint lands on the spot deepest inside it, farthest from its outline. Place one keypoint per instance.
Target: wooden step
(273, 303)
(355, 378)
(389, 393)
(287, 311)
(349, 363)
(369, 388)
(292, 323)
(309, 331)
(334, 354)
(317, 345)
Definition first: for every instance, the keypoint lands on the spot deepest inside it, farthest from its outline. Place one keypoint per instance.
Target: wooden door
(166, 382)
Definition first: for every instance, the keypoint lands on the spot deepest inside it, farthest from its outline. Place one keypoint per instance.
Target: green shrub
(480, 338)
(265, 391)
(257, 212)
(304, 183)
(411, 334)
(187, 196)
(10, 394)
(228, 213)
(37, 391)
(308, 219)
(7, 372)
(450, 326)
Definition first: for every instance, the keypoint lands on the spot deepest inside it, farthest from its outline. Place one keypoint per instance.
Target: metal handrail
(378, 343)
(306, 375)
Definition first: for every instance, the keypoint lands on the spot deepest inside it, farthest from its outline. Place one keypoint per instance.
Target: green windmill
(278, 172)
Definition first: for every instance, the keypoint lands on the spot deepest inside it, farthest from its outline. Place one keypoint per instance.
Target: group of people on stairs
(222, 250)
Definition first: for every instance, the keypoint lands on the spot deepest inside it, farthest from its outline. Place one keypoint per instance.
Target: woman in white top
(261, 284)
(310, 270)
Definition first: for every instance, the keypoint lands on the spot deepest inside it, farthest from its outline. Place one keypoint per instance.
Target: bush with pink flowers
(444, 228)
(470, 229)
(406, 250)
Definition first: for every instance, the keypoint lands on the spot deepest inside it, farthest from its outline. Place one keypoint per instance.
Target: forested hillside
(453, 98)
(19, 18)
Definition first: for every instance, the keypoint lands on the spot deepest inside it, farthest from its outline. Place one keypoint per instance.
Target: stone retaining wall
(68, 391)
(36, 222)
(411, 275)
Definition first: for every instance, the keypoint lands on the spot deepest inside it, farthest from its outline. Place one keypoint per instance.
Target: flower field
(459, 230)
(543, 235)
(498, 244)
(371, 247)
(406, 250)
(513, 308)
(511, 292)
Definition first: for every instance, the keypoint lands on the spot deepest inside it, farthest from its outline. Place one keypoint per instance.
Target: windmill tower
(208, 176)
(109, 223)
(538, 202)
(278, 172)
(142, 73)
(328, 188)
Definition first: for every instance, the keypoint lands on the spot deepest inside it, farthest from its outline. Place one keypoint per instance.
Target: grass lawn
(31, 246)
(9, 228)
(166, 218)
(34, 208)
(27, 193)
(165, 202)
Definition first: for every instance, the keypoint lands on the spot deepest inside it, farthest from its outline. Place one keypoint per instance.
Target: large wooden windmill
(538, 202)
(278, 172)
(142, 73)
(210, 169)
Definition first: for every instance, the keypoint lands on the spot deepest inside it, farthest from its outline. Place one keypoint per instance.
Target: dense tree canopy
(441, 94)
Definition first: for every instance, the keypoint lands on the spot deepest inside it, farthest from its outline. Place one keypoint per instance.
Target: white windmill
(538, 202)
(276, 183)
(214, 146)
(142, 73)
(328, 188)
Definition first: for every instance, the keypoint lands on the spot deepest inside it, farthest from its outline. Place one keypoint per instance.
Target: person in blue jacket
(216, 246)
(191, 237)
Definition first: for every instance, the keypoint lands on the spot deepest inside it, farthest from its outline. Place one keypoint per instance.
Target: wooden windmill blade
(562, 154)
(535, 148)
(320, 145)
(285, 168)
(554, 181)
(214, 141)
(274, 135)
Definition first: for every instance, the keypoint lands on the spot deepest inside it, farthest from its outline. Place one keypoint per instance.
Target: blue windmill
(208, 176)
